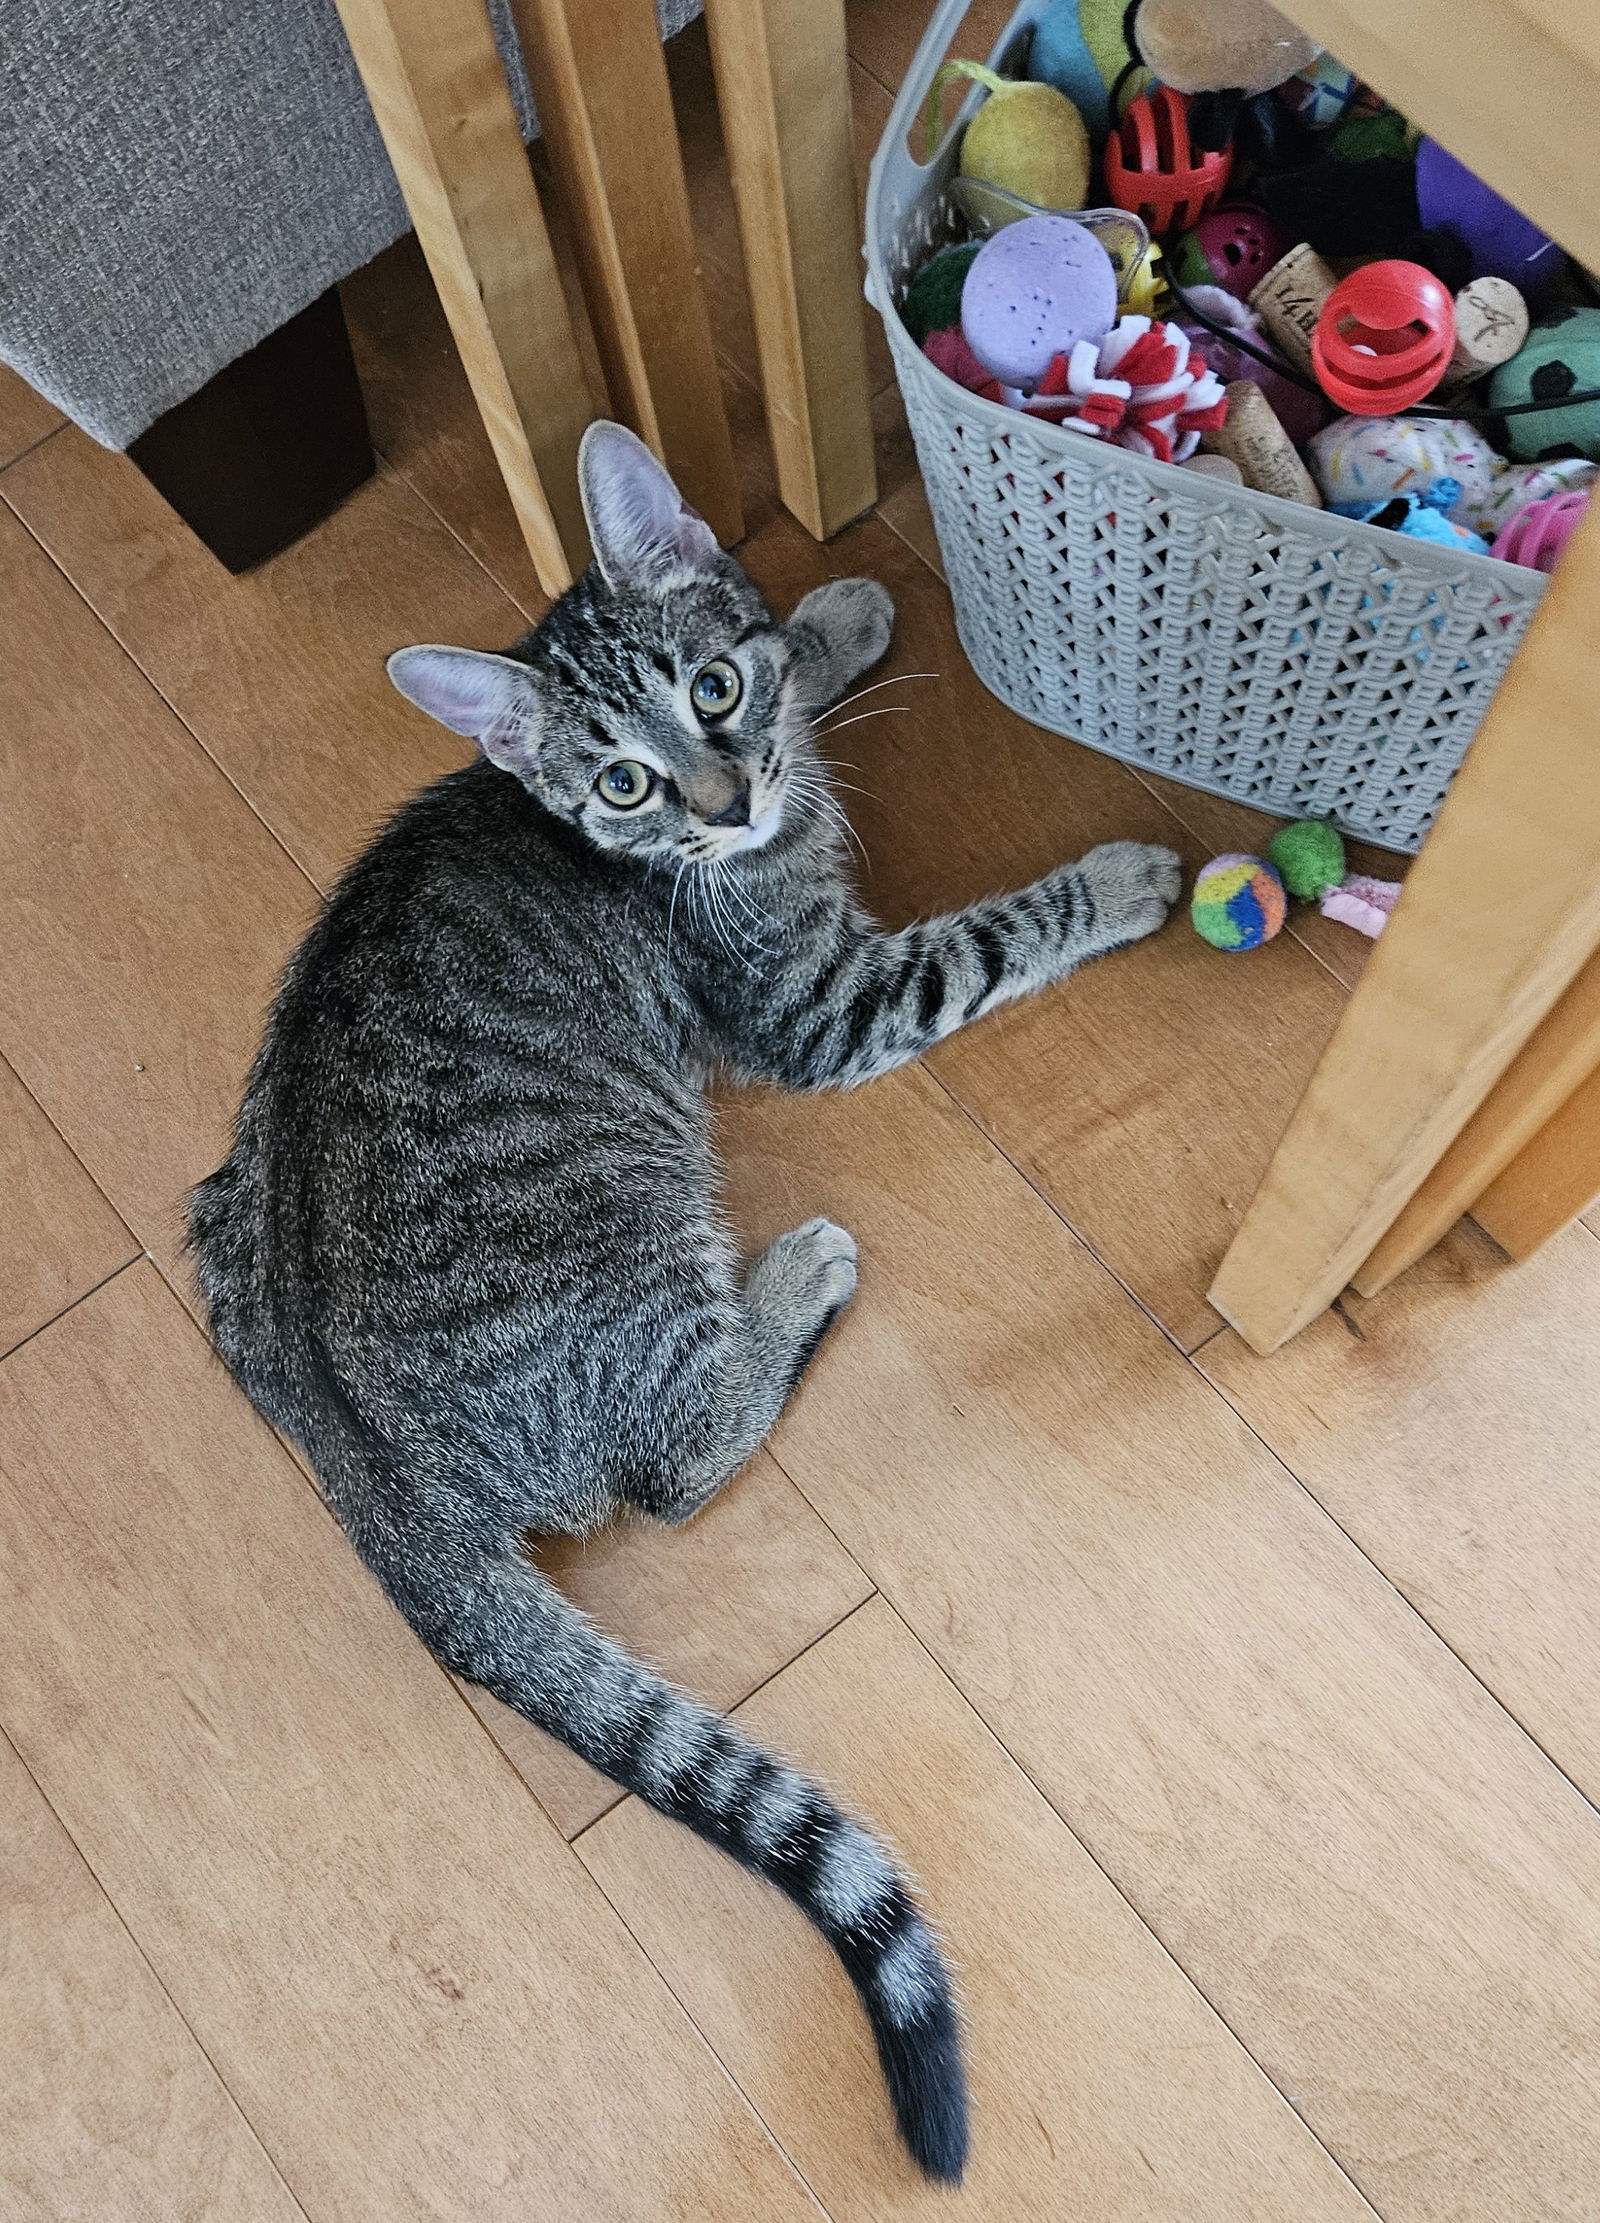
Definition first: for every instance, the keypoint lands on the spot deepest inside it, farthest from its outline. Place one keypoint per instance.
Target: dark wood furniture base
(270, 445)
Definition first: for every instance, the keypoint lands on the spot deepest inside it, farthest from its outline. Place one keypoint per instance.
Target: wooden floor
(1240, 1717)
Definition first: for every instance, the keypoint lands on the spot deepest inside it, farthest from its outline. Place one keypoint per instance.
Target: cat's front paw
(1134, 884)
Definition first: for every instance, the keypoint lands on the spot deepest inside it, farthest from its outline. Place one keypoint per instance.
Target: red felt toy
(1144, 386)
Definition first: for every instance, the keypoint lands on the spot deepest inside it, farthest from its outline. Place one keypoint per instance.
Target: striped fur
(466, 1248)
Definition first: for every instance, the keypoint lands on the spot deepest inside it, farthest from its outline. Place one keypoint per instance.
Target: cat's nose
(736, 811)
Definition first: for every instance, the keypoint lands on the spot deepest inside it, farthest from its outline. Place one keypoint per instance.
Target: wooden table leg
(1499, 913)
(605, 108)
(783, 90)
(1539, 1082)
(1550, 1182)
(440, 97)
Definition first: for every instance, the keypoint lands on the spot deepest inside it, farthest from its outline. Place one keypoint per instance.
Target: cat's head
(658, 706)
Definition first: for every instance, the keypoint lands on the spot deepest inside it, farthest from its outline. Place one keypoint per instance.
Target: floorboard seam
(32, 447)
(1410, 1604)
(1132, 1905)
(157, 1979)
(502, 586)
(162, 697)
(83, 1297)
(1050, 1204)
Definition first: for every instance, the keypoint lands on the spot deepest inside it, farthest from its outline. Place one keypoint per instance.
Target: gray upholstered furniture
(179, 178)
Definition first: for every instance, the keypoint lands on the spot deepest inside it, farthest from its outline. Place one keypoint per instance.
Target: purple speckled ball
(1034, 290)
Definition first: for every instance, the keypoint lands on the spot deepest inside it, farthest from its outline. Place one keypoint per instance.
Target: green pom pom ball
(933, 298)
(1239, 902)
(1310, 858)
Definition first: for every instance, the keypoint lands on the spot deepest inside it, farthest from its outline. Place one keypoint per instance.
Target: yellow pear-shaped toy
(1027, 137)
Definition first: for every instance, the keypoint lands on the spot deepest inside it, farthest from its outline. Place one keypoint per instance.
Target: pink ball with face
(1240, 245)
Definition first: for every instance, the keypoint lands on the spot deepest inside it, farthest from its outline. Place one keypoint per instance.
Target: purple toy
(1297, 409)
(1499, 238)
(1536, 534)
(1234, 248)
(1034, 290)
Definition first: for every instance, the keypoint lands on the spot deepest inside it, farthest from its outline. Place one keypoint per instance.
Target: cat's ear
(491, 699)
(645, 535)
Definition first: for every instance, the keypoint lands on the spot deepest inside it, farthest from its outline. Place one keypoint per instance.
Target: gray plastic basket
(1261, 649)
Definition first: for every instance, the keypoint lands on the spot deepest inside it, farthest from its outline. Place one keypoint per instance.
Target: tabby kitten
(466, 1248)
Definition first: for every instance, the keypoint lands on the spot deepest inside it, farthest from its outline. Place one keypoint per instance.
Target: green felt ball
(1310, 858)
(933, 298)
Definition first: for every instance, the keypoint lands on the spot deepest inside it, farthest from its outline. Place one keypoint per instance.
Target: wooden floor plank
(1451, 1427)
(425, 423)
(144, 910)
(1102, 2083)
(26, 418)
(58, 1235)
(718, 1605)
(410, 1986)
(1368, 1869)
(112, 2110)
(884, 34)
(1144, 1097)
(279, 672)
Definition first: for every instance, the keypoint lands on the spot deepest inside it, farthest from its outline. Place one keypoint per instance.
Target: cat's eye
(625, 784)
(716, 689)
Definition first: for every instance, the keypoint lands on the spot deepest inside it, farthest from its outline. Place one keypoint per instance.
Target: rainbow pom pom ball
(1239, 902)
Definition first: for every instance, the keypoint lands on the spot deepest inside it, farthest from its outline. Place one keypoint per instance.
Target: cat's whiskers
(718, 921)
(672, 907)
(884, 710)
(816, 789)
(861, 693)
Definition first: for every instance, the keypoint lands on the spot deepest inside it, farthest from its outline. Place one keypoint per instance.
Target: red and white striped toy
(1143, 386)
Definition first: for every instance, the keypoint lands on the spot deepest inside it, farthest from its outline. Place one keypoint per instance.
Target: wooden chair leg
(1499, 913)
(1538, 1083)
(440, 97)
(783, 90)
(1550, 1182)
(605, 108)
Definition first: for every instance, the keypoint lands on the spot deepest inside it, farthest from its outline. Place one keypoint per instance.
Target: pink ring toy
(1536, 534)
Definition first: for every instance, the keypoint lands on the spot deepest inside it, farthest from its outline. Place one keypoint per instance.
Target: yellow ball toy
(1027, 137)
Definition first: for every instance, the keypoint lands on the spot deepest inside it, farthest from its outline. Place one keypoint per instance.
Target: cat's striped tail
(493, 1618)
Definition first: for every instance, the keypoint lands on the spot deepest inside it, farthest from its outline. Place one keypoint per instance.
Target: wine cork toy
(1289, 301)
(1491, 320)
(1252, 437)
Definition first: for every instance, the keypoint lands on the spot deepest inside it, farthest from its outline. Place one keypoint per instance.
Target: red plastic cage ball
(1155, 170)
(1384, 338)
